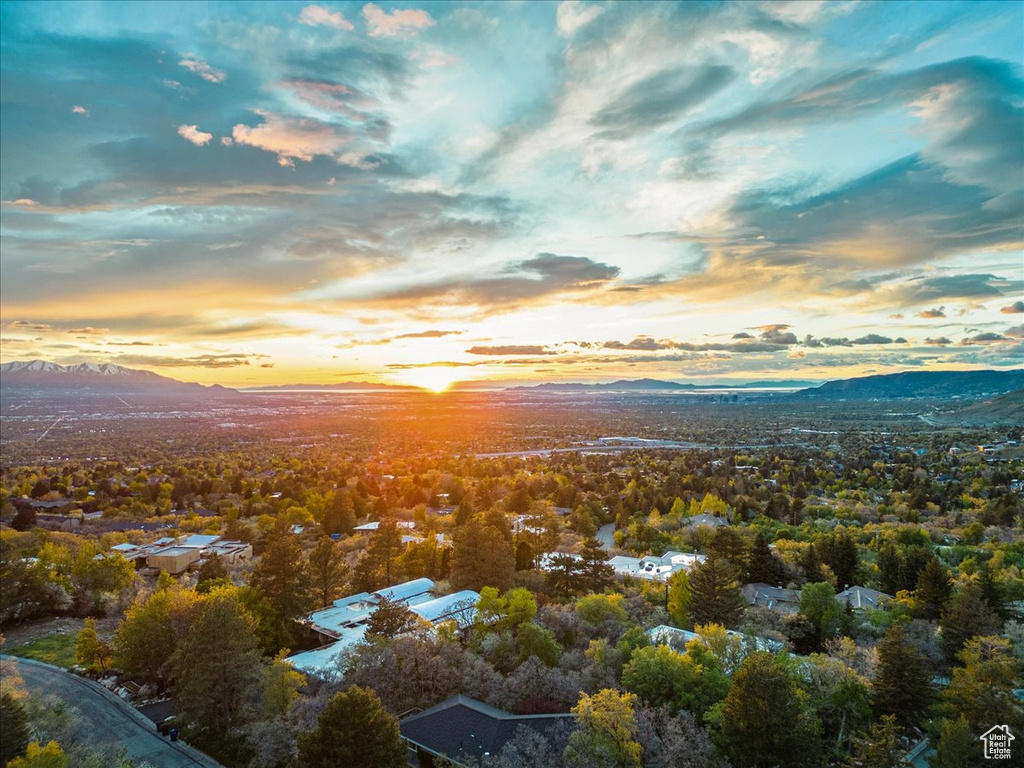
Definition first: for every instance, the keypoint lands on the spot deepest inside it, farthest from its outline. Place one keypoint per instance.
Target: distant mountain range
(106, 378)
(936, 384)
(349, 386)
(656, 385)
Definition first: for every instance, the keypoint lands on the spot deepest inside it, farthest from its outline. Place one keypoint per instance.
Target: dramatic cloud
(197, 65)
(193, 134)
(511, 349)
(984, 338)
(292, 138)
(89, 331)
(544, 275)
(1013, 309)
(573, 14)
(659, 99)
(398, 23)
(318, 16)
(428, 334)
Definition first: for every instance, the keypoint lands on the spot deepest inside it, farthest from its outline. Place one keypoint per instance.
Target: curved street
(110, 720)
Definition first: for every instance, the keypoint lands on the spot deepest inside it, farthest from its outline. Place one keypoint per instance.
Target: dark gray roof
(461, 726)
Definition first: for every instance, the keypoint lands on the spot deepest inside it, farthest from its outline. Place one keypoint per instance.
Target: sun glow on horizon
(435, 379)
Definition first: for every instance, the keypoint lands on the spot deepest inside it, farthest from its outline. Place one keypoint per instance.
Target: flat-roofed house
(174, 560)
(343, 624)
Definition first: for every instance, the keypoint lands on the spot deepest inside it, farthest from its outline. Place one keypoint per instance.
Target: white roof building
(343, 624)
(653, 567)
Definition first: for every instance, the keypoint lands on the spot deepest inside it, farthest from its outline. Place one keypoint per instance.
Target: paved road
(110, 720)
(606, 535)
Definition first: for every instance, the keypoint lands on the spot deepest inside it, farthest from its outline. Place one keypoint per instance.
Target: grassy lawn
(58, 650)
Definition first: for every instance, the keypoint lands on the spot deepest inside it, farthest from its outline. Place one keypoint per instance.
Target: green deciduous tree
(152, 631)
(607, 732)
(679, 598)
(90, 652)
(353, 729)
(818, 603)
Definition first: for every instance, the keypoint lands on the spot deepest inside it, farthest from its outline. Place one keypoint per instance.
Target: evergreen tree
(934, 586)
(763, 723)
(879, 747)
(889, 566)
(762, 564)
(280, 576)
(328, 571)
(375, 569)
(354, 729)
(390, 619)
(594, 565)
(810, 561)
(217, 664)
(524, 556)
(481, 557)
(212, 569)
(914, 560)
(839, 552)
(15, 733)
(716, 595)
(991, 590)
(966, 615)
(902, 684)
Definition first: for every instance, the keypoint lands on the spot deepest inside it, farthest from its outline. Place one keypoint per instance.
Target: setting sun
(434, 379)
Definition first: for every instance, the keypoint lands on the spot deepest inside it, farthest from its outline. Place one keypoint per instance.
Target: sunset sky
(254, 193)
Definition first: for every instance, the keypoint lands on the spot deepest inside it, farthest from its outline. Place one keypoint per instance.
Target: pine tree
(902, 684)
(390, 619)
(966, 615)
(762, 721)
(211, 570)
(934, 586)
(594, 565)
(889, 566)
(482, 557)
(14, 733)
(217, 664)
(716, 595)
(762, 564)
(353, 729)
(328, 571)
(279, 574)
(991, 590)
(375, 569)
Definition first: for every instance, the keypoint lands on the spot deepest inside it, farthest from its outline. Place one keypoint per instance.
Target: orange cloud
(318, 16)
(193, 134)
(396, 23)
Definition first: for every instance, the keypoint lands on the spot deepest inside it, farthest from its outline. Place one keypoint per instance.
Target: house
(467, 732)
(174, 560)
(773, 598)
(677, 639)
(655, 567)
(343, 624)
(368, 527)
(710, 520)
(862, 598)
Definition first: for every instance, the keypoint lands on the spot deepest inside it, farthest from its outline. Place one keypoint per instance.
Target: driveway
(606, 535)
(110, 721)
